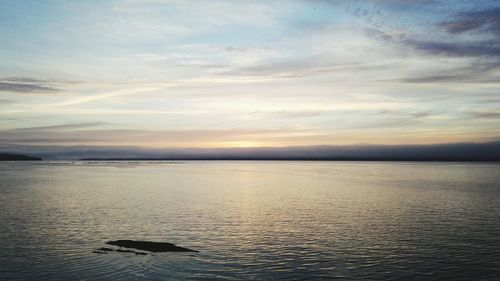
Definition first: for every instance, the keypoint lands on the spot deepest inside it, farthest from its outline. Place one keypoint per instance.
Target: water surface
(251, 220)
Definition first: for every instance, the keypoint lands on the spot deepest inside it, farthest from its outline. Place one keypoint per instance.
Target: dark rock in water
(149, 246)
(141, 245)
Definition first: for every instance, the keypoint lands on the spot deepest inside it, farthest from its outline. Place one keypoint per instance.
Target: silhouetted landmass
(483, 152)
(402, 159)
(17, 157)
(148, 246)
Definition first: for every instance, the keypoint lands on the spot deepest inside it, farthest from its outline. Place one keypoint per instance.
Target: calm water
(252, 220)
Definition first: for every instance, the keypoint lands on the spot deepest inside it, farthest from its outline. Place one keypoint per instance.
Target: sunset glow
(287, 73)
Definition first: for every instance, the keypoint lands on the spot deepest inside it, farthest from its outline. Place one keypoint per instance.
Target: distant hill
(465, 151)
(17, 157)
(457, 152)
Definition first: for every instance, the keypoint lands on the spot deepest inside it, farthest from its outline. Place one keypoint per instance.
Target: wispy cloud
(485, 24)
(62, 127)
(458, 49)
(72, 134)
(109, 94)
(487, 114)
(299, 72)
(25, 88)
(483, 21)
(23, 80)
(412, 114)
(292, 113)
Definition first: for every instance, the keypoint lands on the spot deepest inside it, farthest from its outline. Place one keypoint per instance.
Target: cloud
(487, 114)
(485, 23)
(16, 79)
(293, 113)
(410, 115)
(57, 127)
(457, 49)
(469, 77)
(489, 100)
(71, 134)
(484, 20)
(165, 72)
(469, 70)
(457, 27)
(300, 68)
(377, 34)
(435, 78)
(421, 114)
(25, 85)
(25, 88)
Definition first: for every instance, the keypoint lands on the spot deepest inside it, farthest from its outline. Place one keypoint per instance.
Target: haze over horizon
(211, 75)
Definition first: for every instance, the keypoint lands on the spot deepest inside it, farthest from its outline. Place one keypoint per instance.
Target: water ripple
(251, 220)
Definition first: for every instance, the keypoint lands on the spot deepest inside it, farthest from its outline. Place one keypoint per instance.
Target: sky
(244, 74)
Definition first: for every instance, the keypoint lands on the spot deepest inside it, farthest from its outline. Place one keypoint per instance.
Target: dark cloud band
(25, 87)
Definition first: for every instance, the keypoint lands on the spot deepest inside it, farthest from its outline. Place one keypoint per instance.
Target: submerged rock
(149, 246)
(103, 249)
(130, 251)
(99, 252)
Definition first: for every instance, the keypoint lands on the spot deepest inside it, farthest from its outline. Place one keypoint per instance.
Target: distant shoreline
(301, 159)
(449, 152)
(18, 157)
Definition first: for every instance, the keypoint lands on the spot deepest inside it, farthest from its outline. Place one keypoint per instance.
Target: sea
(251, 220)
